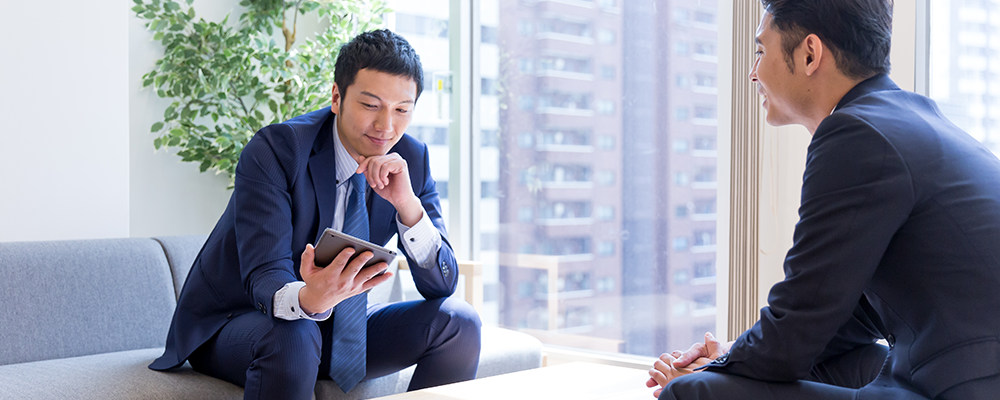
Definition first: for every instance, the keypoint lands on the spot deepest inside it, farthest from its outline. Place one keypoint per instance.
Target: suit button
(721, 359)
(891, 339)
(261, 307)
(444, 269)
(230, 315)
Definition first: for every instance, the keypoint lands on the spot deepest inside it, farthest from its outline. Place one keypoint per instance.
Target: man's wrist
(410, 212)
(305, 298)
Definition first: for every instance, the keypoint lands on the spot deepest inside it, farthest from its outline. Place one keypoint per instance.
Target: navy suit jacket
(284, 198)
(898, 238)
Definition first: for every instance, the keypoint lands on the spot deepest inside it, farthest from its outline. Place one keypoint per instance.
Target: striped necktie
(350, 322)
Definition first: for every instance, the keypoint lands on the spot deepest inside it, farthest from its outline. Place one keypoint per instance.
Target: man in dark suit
(256, 310)
(898, 238)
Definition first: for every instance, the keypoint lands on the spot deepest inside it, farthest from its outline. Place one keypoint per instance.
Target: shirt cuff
(422, 241)
(286, 304)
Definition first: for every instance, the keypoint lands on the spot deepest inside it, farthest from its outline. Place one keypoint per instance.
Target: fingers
(696, 351)
(656, 393)
(307, 264)
(339, 263)
(378, 169)
(712, 346)
(350, 271)
(375, 279)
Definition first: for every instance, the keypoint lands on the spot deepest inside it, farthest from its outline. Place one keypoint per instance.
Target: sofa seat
(123, 375)
(117, 375)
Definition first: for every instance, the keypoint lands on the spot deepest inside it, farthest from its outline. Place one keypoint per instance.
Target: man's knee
(459, 315)
(691, 386)
(296, 342)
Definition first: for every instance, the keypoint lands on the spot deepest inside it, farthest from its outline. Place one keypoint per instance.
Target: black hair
(859, 32)
(380, 50)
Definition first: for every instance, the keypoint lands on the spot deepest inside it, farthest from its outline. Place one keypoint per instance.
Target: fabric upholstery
(181, 252)
(119, 375)
(75, 298)
(106, 307)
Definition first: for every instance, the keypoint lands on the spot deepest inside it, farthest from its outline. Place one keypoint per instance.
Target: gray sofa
(82, 320)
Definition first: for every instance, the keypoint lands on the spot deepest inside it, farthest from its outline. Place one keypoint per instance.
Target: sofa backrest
(74, 298)
(182, 250)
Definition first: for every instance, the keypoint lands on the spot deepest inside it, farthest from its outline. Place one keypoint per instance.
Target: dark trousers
(273, 358)
(845, 377)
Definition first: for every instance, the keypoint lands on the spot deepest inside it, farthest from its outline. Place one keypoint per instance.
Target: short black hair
(381, 50)
(859, 32)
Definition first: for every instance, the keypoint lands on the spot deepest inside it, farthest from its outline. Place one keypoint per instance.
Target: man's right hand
(328, 286)
(678, 363)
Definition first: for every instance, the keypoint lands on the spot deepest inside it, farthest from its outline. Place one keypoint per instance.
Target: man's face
(775, 82)
(374, 112)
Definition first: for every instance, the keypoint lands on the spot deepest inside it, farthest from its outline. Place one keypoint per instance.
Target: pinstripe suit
(283, 198)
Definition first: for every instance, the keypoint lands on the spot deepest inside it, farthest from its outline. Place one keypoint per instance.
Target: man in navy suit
(898, 237)
(256, 310)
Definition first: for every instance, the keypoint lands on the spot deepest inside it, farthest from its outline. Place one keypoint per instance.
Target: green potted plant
(229, 80)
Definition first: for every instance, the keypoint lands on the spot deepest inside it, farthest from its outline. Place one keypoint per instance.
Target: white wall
(64, 159)
(166, 196)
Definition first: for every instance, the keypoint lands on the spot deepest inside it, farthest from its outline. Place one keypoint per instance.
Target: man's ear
(813, 52)
(335, 101)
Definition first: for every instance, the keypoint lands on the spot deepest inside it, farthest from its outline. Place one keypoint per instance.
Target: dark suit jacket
(898, 238)
(283, 199)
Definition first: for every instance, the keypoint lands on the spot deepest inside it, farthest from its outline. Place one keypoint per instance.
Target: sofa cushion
(82, 297)
(181, 252)
(503, 351)
(119, 375)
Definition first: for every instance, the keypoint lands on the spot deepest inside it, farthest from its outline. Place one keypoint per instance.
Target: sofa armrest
(472, 277)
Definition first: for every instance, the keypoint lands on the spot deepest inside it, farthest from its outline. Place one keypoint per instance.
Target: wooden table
(571, 381)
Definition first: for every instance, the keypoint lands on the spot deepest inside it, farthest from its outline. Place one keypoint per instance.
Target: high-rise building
(965, 65)
(598, 124)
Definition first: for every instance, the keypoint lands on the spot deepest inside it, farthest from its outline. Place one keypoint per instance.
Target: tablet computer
(333, 242)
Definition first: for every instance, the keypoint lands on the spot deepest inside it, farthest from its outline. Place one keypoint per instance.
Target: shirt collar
(346, 165)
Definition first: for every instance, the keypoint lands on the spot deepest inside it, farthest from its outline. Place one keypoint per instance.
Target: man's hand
(679, 363)
(711, 349)
(327, 287)
(390, 178)
(664, 371)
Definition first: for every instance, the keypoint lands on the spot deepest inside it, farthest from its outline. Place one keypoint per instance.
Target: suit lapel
(323, 170)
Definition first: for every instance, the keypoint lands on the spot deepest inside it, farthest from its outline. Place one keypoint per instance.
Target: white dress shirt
(421, 241)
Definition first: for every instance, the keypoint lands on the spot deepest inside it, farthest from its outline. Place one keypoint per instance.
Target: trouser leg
(270, 358)
(835, 379)
(441, 336)
(853, 369)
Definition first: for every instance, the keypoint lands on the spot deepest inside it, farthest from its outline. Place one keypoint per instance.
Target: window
(605, 107)
(580, 95)
(681, 113)
(605, 213)
(606, 142)
(410, 25)
(607, 72)
(704, 270)
(963, 78)
(606, 36)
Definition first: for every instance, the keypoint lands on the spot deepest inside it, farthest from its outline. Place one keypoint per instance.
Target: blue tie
(350, 323)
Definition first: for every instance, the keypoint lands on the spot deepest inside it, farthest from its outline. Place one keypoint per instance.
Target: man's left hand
(664, 371)
(389, 176)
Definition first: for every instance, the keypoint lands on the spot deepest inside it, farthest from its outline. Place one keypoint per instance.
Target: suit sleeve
(441, 279)
(263, 214)
(856, 193)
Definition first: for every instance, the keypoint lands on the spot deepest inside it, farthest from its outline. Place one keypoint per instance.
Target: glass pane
(598, 166)
(424, 24)
(965, 65)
